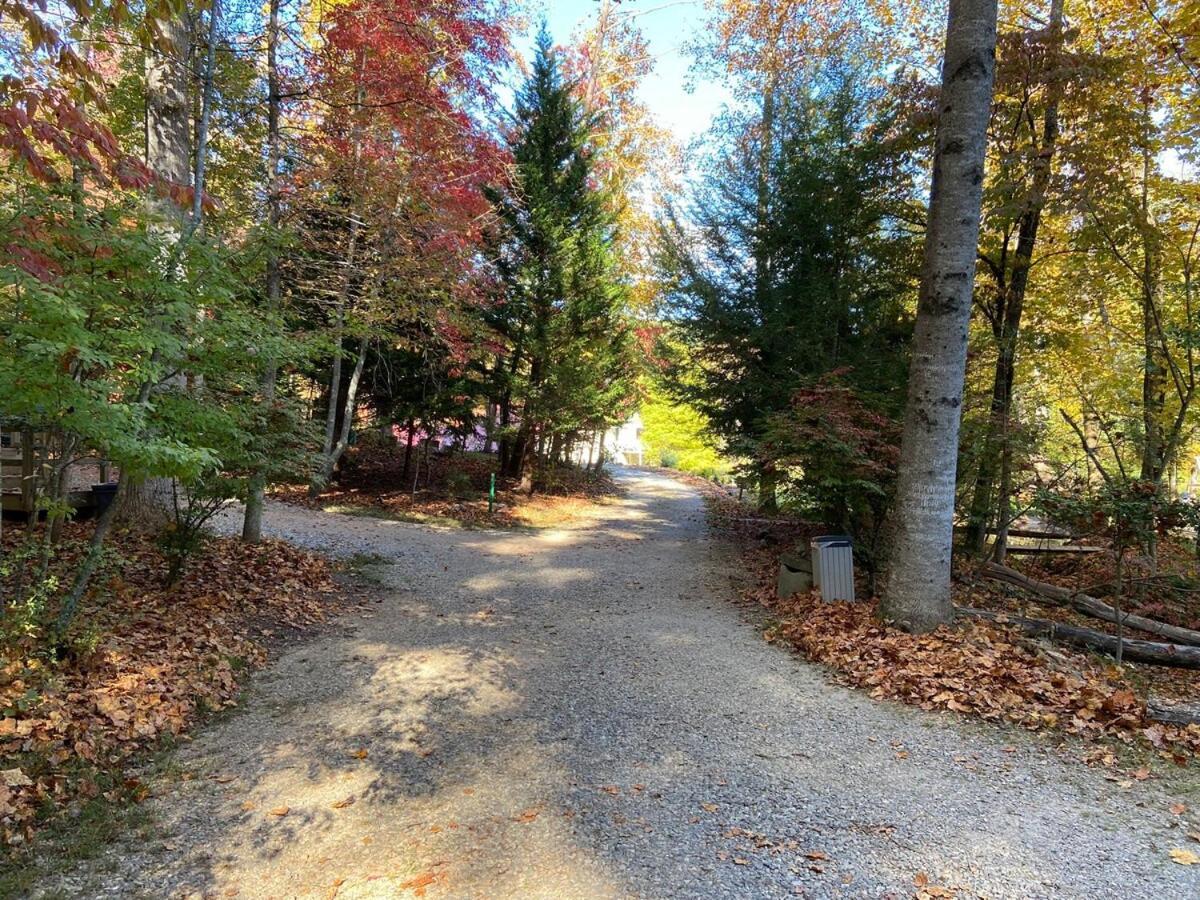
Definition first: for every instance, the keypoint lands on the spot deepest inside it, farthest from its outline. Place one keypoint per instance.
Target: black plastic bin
(103, 495)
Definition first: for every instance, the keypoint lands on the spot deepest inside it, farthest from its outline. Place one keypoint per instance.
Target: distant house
(623, 443)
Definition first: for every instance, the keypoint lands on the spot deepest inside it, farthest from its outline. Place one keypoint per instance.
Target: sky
(667, 26)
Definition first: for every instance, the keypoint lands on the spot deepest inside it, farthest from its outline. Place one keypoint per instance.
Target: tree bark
(146, 502)
(408, 445)
(330, 460)
(252, 523)
(206, 96)
(917, 585)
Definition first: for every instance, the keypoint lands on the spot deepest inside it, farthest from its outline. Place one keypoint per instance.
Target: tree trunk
(408, 445)
(917, 586)
(206, 97)
(335, 382)
(146, 502)
(1091, 606)
(999, 428)
(252, 523)
(330, 460)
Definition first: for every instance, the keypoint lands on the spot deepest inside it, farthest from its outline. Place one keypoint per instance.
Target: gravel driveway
(582, 713)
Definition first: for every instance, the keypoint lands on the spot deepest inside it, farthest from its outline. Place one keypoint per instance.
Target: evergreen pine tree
(568, 365)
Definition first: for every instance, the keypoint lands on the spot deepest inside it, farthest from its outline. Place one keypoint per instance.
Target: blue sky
(668, 26)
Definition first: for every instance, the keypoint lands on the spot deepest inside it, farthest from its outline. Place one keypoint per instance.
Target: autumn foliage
(985, 670)
(150, 662)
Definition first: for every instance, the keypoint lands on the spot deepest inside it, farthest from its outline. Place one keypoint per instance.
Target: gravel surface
(582, 713)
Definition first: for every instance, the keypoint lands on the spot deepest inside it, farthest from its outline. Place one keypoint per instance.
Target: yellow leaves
(1184, 857)
(280, 812)
(361, 753)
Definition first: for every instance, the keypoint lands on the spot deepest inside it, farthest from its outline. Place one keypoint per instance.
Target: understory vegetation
(455, 489)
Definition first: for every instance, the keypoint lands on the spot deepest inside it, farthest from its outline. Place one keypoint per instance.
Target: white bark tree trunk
(917, 586)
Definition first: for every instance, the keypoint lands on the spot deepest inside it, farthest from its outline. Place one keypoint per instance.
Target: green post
(492, 494)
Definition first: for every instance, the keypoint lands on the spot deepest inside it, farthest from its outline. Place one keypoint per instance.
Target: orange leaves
(418, 884)
(980, 669)
(162, 656)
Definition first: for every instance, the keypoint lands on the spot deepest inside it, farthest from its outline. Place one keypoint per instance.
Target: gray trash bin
(833, 566)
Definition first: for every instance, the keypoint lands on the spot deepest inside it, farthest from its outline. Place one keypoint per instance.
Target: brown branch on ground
(1132, 649)
(1090, 606)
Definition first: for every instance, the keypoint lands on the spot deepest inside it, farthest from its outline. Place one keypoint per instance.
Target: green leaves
(147, 350)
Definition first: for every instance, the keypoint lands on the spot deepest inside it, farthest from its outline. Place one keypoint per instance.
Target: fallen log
(1133, 650)
(1172, 712)
(1091, 606)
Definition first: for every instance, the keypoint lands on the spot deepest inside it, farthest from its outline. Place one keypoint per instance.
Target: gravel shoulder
(582, 713)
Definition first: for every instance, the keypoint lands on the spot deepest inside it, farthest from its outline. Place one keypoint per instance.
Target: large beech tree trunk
(917, 586)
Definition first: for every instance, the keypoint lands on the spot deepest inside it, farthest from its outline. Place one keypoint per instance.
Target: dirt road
(582, 713)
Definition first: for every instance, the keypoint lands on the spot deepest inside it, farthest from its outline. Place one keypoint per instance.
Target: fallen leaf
(528, 816)
(920, 879)
(281, 811)
(740, 861)
(817, 854)
(1178, 809)
(342, 804)
(361, 753)
(1184, 857)
(14, 778)
(709, 807)
(611, 789)
(420, 883)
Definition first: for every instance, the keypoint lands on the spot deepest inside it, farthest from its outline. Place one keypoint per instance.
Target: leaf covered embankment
(142, 664)
(986, 669)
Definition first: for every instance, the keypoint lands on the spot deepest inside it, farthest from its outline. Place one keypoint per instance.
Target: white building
(623, 444)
